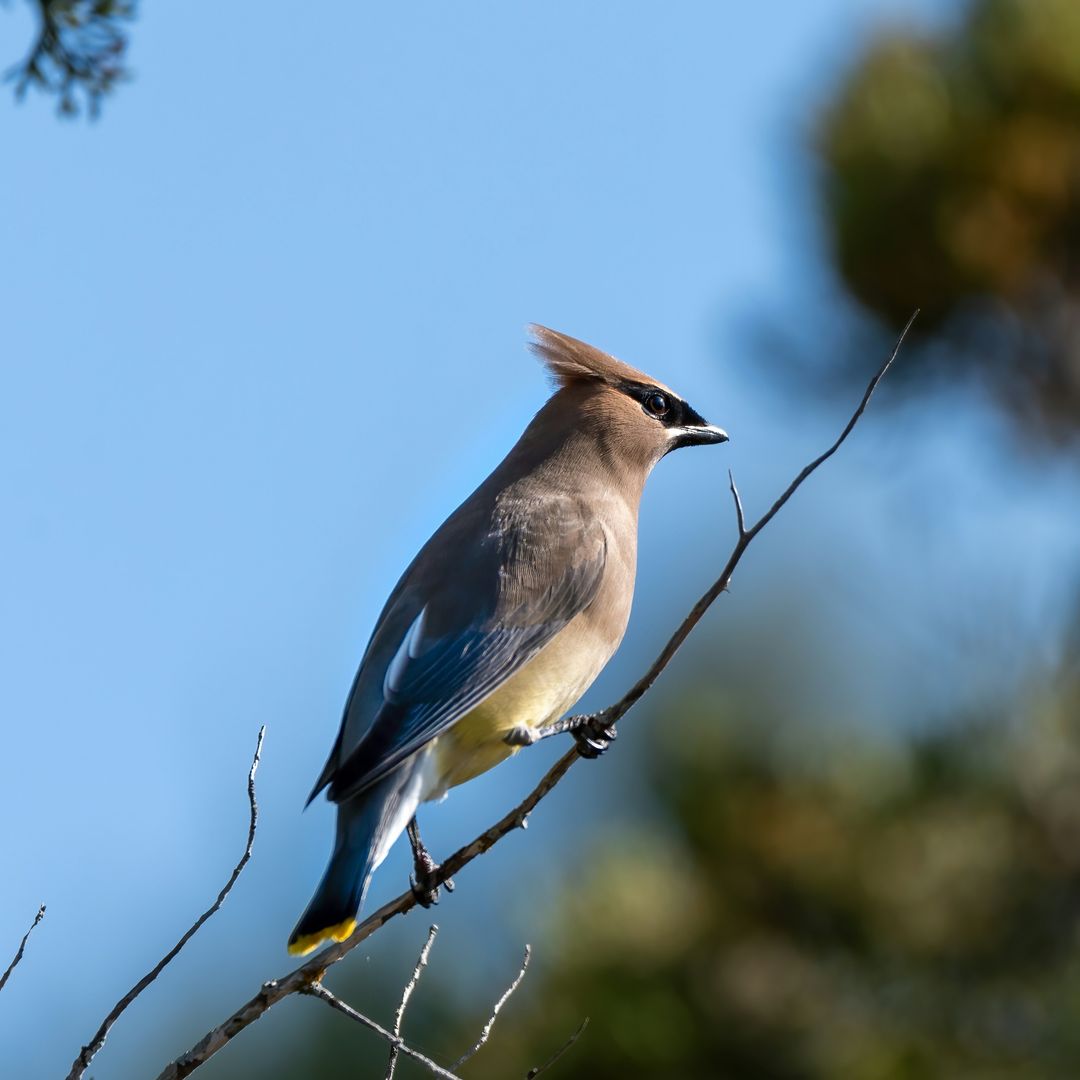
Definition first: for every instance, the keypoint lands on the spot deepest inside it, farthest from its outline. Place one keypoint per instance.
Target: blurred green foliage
(78, 54)
(884, 918)
(864, 913)
(951, 183)
(850, 909)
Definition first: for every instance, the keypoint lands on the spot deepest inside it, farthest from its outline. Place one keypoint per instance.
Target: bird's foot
(424, 882)
(425, 885)
(593, 734)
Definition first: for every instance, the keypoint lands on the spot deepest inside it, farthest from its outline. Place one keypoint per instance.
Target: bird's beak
(704, 435)
(695, 434)
(695, 430)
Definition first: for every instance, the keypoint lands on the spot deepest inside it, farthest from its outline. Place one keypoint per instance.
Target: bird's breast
(542, 691)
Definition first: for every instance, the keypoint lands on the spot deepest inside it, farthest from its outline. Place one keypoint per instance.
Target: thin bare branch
(317, 990)
(86, 1054)
(841, 439)
(485, 1034)
(740, 519)
(22, 947)
(314, 968)
(410, 986)
(532, 1073)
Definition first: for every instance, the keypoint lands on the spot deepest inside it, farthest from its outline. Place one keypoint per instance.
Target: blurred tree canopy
(951, 183)
(79, 52)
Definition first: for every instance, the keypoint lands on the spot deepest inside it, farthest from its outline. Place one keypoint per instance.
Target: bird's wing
(480, 623)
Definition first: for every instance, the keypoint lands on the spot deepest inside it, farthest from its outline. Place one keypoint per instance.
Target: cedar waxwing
(504, 619)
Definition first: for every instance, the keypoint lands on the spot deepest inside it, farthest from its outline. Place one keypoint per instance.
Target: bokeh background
(263, 328)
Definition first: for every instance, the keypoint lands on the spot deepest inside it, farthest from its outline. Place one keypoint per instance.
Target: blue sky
(263, 328)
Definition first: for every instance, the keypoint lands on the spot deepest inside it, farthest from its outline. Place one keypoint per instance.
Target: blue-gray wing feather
(473, 630)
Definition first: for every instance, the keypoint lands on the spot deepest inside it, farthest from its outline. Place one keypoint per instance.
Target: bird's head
(635, 418)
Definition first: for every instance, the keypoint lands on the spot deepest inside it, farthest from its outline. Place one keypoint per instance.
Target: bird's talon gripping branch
(424, 882)
(593, 736)
(426, 895)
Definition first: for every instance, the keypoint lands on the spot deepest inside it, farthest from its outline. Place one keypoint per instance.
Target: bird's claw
(426, 895)
(425, 884)
(593, 736)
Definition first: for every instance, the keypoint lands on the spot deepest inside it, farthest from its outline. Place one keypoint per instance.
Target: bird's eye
(656, 404)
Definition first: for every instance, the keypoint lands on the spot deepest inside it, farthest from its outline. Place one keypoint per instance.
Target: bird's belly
(539, 693)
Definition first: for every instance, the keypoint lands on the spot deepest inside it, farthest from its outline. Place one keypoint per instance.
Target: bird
(503, 619)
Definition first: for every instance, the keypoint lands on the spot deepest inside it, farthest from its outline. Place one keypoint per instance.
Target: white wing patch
(409, 649)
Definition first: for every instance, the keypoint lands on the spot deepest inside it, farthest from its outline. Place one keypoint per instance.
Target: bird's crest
(570, 361)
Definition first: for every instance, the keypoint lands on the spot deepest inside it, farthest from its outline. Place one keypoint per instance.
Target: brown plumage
(569, 360)
(504, 618)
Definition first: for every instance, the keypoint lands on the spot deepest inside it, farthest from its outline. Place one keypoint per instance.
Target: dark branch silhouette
(22, 948)
(86, 1054)
(534, 1072)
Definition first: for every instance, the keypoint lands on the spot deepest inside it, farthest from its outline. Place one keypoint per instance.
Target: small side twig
(740, 519)
(22, 947)
(534, 1072)
(410, 986)
(317, 990)
(485, 1034)
(86, 1054)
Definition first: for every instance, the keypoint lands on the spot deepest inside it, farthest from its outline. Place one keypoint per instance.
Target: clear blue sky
(263, 329)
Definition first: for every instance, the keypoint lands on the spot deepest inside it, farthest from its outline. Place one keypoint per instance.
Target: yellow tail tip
(301, 946)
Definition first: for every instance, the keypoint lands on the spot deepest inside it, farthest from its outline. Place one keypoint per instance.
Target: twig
(532, 1073)
(410, 986)
(277, 989)
(740, 518)
(311, 971)
(485, 1034)
(317, 990)
(86, 1054)
(22, 947)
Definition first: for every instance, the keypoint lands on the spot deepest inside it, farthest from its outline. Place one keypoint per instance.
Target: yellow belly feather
(539, 693)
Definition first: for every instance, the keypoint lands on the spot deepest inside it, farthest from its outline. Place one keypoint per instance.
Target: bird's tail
(367, 826)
